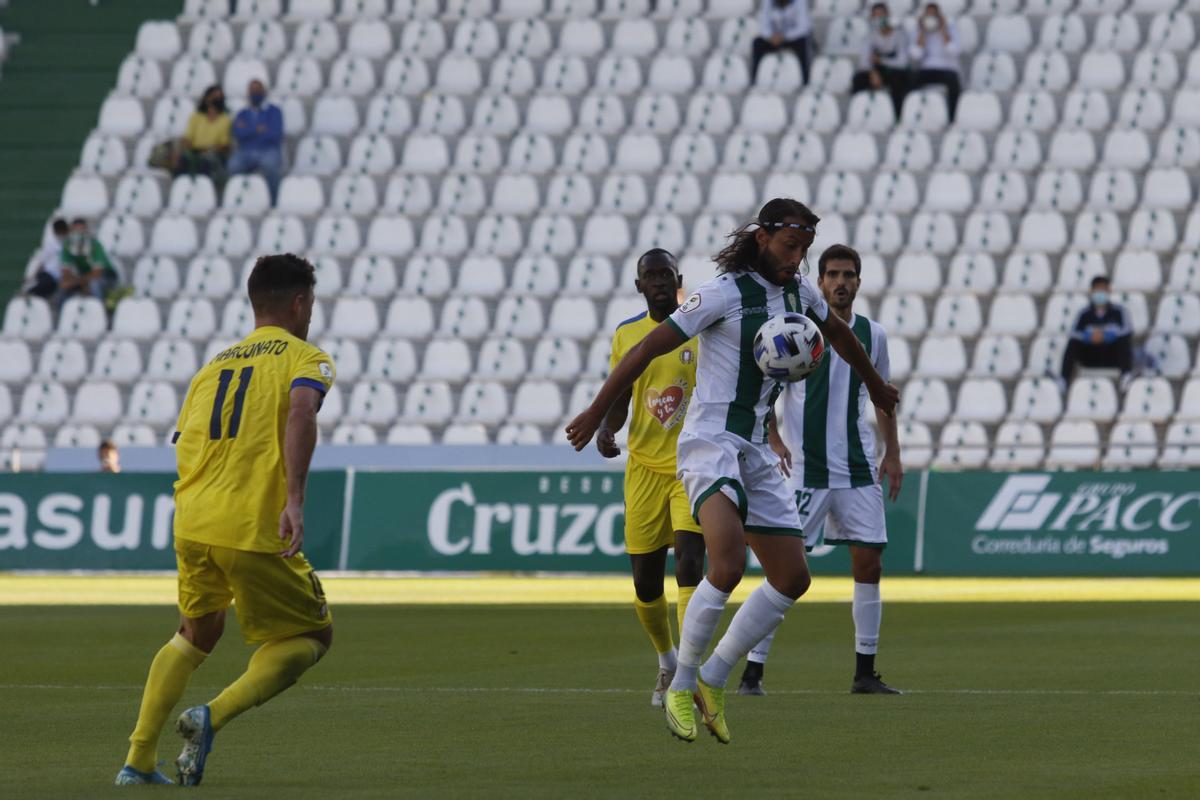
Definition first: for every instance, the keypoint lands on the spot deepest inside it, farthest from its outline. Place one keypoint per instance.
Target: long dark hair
(741, 254)
(202, 106)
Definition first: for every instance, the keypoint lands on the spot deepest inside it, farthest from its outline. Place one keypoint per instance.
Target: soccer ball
(788, 347)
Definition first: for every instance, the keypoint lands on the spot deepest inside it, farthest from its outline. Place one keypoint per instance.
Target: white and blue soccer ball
(788, 347)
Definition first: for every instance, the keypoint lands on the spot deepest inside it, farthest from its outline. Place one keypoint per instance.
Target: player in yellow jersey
(244, 441)
(657, 513)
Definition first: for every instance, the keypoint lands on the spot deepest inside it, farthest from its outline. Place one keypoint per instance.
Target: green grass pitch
(1009, 700)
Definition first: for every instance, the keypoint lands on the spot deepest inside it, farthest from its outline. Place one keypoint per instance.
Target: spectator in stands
(783, 25)
(86, 267)
(935, 55)
(110, 457)
(258, 130)
(884, 60)
(48, 278)
(205, 145)
(1102, 337)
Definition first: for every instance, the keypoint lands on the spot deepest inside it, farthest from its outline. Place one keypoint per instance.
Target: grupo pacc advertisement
(1064, 523)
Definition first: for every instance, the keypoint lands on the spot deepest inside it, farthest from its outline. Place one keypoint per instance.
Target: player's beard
(770, 267)
(842, 303)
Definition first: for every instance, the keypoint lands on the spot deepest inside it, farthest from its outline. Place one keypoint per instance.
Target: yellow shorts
(655, 507)
(276, 597)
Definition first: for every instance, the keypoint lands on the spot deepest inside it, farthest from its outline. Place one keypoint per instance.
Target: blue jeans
(268, 163)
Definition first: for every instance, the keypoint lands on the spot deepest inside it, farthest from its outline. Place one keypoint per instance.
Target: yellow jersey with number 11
(660, 396)
(232, 483)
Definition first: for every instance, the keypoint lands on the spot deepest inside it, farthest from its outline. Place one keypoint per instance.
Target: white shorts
(746, 473)
(842, 516)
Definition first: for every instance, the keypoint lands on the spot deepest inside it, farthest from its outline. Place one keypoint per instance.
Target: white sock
(868, 611)
(758, 654)
(668, 660)
(699, 623)
(759, 615)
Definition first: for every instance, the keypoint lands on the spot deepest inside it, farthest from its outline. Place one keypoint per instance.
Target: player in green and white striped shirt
(822, 424)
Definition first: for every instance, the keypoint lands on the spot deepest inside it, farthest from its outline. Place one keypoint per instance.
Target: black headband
(797, 225)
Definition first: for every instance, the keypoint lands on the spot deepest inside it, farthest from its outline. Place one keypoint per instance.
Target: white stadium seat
(28, 318)
(1018, 445)
(961, 445)
(1074, 445)
(1131, 444)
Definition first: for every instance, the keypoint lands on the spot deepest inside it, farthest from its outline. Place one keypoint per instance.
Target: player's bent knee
(324, 636)
(728, 574)
(203, 632)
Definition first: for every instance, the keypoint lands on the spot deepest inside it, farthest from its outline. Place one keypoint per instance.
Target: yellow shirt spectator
(205, 133)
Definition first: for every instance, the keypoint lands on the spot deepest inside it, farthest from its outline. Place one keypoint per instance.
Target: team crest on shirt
(667, 406)
(690, 304)
(687, 356)
(325, 370)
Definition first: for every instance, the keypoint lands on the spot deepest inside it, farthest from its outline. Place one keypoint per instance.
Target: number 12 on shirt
(239, 399)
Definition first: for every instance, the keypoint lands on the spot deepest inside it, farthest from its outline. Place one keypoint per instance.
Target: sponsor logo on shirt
(690, 304)
(667, 406)
(326, 370)
(686, 355)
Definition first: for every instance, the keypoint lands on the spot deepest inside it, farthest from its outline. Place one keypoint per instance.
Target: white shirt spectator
(892, 49)
(791, 21)
(50, 257)
(939, 53)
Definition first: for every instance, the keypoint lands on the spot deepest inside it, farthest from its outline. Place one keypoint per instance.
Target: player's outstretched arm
(299, 441)
(606, 437)
(660, 341)
(885, 396)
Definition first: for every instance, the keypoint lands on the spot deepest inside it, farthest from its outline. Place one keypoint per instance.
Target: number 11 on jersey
(239, 399)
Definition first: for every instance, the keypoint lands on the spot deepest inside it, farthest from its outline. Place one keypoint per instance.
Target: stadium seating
(475, 179)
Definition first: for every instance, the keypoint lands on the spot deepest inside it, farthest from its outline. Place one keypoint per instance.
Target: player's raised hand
(581, 429)
(606, 443)
(291, 529)
(886, 397)
(891, 469)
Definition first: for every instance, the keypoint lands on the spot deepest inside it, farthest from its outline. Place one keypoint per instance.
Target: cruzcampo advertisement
(522, 521)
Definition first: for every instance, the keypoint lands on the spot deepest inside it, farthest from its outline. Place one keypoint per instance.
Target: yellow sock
(685, 595)
(274, 667)
(169, 674)
(656, 619)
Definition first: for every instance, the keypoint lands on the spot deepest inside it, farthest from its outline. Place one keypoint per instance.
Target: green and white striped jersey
(823, 419)
(732, 394)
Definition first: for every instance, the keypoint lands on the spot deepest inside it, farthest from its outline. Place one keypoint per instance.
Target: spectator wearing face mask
(883, 63)
(258, 130)
(935, 55)
(205, 145)
(783, 25)
(86, 267)
(1102, 337)
(48, 277)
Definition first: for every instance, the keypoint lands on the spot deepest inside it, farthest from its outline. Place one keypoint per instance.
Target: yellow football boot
(711, 702)
(681, 720)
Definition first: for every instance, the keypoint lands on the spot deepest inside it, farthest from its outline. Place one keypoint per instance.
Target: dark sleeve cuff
(310, 383)
(675, 326)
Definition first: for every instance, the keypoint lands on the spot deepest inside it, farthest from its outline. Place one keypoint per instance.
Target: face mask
(256, 98)
(930, 23)
(1099, 298)
(882, 23)
(217, 104)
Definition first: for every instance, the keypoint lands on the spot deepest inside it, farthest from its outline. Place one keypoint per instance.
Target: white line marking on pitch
(559, 690)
